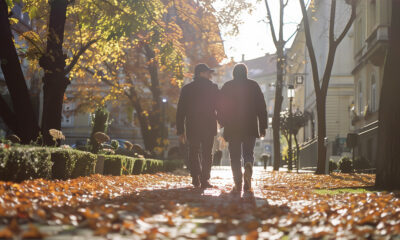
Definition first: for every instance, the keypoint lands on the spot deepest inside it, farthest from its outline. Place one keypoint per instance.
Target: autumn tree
(153, 66)
(279, 43)
(388, 165)
(19, 117)
(70, 29)
(321, 84)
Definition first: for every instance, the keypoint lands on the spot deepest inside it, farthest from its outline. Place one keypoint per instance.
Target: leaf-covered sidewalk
(166, 206)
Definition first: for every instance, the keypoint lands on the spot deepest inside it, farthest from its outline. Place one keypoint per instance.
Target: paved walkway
(165, 206)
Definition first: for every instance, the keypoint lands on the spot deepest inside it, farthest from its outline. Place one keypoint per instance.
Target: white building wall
(340, 93)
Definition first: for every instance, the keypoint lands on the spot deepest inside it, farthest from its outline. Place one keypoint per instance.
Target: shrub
(346, 165)
(70, 163)
(100, 124)
(361, 163)
(114, 144)
(125, 152)
(139, 166)
(153, 166)
(85, 164)
(332, 165)
(64, 163)
(24, 163)
(118, 165)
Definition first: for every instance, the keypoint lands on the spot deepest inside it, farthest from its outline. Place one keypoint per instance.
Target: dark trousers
(200, 157)
(238, 148)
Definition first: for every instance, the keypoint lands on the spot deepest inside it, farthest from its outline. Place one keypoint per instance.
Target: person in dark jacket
(243, 114)
(196, 113)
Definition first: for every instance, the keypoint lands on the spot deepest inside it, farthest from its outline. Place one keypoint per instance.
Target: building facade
(341, 86)
(371, 26)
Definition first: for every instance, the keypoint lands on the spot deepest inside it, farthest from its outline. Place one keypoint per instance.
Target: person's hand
(182, 138)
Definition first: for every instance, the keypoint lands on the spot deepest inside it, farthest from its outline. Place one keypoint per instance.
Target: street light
(290, 92)
(164, 129)
(290, 150)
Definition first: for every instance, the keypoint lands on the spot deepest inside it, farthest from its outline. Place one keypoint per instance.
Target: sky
(254, 38)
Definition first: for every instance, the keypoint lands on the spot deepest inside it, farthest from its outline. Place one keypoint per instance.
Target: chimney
(242, 57)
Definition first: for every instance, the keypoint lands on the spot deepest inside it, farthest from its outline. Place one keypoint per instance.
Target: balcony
(376, 45)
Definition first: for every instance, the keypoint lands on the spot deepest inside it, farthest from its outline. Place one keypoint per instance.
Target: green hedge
(64, 164)
(118, 165)
(153, 166)
(24, 163)
(85, 164)
(346, 165)
(70, 163)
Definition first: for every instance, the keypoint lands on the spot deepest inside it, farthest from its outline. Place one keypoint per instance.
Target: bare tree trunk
(321, 111)
(277, 111)
(297, 152)
(280, 63)
(321, 90)
(145, 128)
(53, 62)
(155, 114)
(388, 166)
(20, 118)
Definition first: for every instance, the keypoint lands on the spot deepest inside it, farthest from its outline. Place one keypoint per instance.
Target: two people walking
(239, 107)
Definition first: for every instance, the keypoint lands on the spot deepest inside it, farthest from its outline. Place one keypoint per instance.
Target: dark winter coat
(242, 110)
(197, 109)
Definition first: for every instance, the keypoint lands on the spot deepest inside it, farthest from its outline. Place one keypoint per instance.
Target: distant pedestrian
(196, 112)
(217, 158)
(243, 114)
(265, 158)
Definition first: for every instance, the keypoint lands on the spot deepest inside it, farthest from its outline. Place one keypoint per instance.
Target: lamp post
(164, 101)
(290, 150)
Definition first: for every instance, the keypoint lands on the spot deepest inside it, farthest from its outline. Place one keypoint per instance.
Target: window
(359, 35)
(372, 14)
(360, 98)
(374, 99)
(67, 116)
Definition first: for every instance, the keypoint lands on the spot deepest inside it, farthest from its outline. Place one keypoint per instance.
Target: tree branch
(349, 23)
(76, 57)
(271, 24)
(334, 44)
(286, 3)
(310, 48)
(28, 39)
(281, 10)
(293, 34)
(332, 23)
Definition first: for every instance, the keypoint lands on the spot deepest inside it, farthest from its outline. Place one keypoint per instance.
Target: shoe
(196, 182)
(206, 184)
(248, 172)
(236, 190)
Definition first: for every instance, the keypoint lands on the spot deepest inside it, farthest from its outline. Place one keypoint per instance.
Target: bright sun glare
(254, 38)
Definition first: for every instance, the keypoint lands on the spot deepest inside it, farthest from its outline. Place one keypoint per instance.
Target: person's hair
(240, 71)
